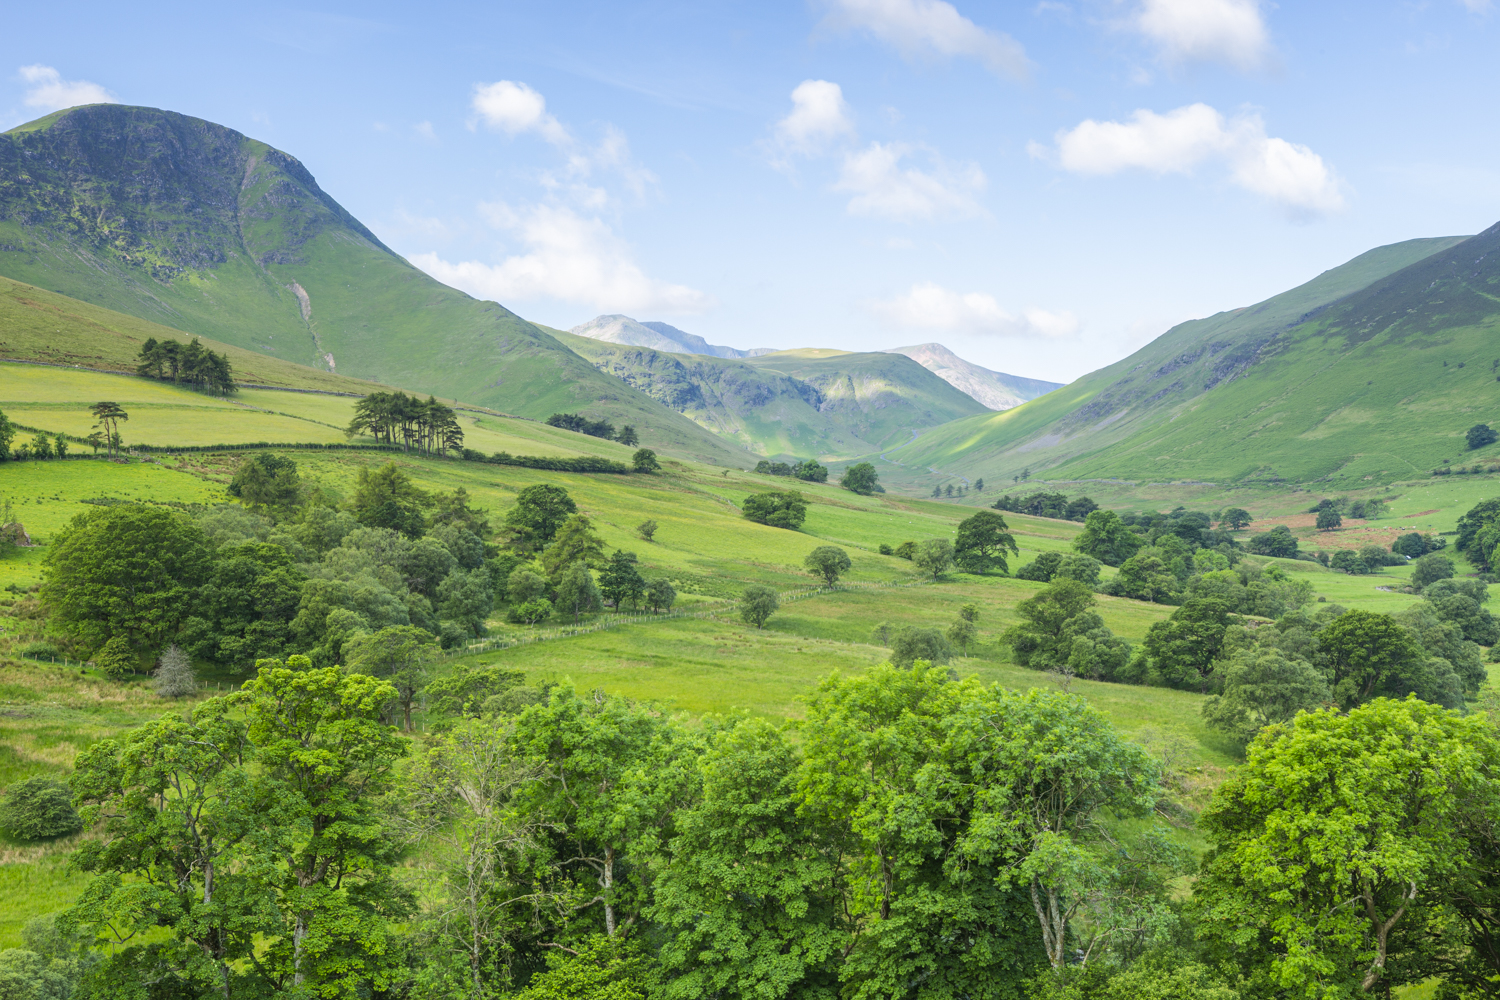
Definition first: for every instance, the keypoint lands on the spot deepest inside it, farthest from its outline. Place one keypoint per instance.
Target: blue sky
(1043, 187)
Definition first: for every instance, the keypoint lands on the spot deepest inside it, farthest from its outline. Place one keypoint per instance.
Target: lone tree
(627, 436)
(1235, 519)
(934, 555)
(1328, 519)
(860, 478)
(647, 530)
(108, 416)
(644, 460)
(38, 808)
(1480, 435)
(983, 539)
(660, 594)
(779, 510)
(758, 604)
(828, 561)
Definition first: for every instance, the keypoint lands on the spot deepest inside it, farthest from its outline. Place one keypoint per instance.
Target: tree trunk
(299, 934)
(609, 883)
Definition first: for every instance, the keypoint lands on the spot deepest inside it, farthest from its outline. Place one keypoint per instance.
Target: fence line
(635, 618)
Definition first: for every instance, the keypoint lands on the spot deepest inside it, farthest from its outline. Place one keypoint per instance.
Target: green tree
(828, 561)
(1329, 518)
(41, 446)
(810, 471)
(387, 498)
(1277, 543)
(780, 510)
(646, 530)
(107, 417)
(577, 592)
(1366, 653)
(752, 888)
(1264, 687)
(1059, 631)
(8, 434)
(267, 480)
(60, 446)
(400, 655)
(963, 633)
(644, 460)
(324, 855)
(911, 643)
(127, 572)
(628, 437)
(1144, 577)
(1429, 569)
(466, 599)
(860, 478)
(36, 808)
(1331, 839)
(602, 968)
(660, 594)
(981, 543)
(934, 555)
(538, 512)
(246, 609)
(1480, 435)
(757, 604)
(621, 581)
(575, 540)
(1186, 645)
(1235, 519)
(524, 584)
(530, 612)
(1106, 538)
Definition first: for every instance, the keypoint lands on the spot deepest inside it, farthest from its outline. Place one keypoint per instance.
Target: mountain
(996, 390)
(840, 406)
(1371, 371)
(195, 226)
(657, 336)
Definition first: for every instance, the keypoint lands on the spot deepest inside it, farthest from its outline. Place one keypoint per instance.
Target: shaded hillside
(618, 329)
(880, 398)
(1320, 381)
(192, 225)
(770, 412)
(996, 390)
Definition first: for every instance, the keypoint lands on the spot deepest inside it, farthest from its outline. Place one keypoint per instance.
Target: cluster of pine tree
(396, 418)
(189, 363)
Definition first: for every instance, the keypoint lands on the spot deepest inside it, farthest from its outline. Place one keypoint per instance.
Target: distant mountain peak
(996, 390)
(617, 329)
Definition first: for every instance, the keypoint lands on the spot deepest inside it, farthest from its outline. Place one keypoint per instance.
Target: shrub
(886, 550)
(117, 659)
(451, 634)
(40, 650)
(174, 674)
(906, 550)
(1042, 568)
(1348, 561)
(660, 594)
(911, 644)
(779, 510)
(644, 460)
(530, 612)
(860, 478)
(1430, 569)
(38, 807)
(1480, 435)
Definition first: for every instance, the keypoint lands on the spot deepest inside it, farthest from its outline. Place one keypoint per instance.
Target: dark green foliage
(1328, 519)
(1278, 542)
(465, 691)
(1430, 569)
(628, 437)
(981, 543)
(37, 808)
(575, 541)
(265, 479)
(539, 511)
(1348, 561)
(1264, 687)
(395, 417)
(582, 424)
(453, 510)
(465, 599)
(1060, 631)
(530, 612)
(1236, 518)
(577, 592)
(1054, 505)
(387, 498)
(578, 463)
(660, 594)
(1084, 569)
(828, 561)
(1480, 435)
(935, 555)
(906, 550)
(1145, 576)
(245, 610)
(1414, 545)
(860, 478)
(7, 435)
(758, 604)
(765, 467)
(128, 573)
(1184, 647)
(189, 363)
(885, 550)
(1042, 568)
(621, 582)
(1368, 655)
(644, 460)
(911, 643)
(1476, 622)
(1479, 533)
(779, 510)
(810, 471)
(647, 530)
(1106, 538)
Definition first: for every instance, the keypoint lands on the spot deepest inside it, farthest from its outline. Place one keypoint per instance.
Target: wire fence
(700, 612)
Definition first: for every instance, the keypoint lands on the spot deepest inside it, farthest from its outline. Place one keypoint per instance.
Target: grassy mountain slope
(880, 398)
(839, 412)
(1263, 392)
(996, 390)
(197, 227)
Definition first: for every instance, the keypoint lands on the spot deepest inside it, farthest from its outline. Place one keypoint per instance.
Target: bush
(1480, 435)
(779, 510)
(1348, 561)
(117, 659)
(906, 550)
(860, 478)
(1042, 568)
(530, 612)
(1430, 569)
(644, 460)
(886, 550)
(37, 808)
(911, 644)
(41, 650)
(451, 634)
(660, 594)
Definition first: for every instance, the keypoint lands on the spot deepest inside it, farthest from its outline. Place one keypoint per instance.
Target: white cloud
(928, 29)
(931, 307)
(47, 91)
(819, 116)
(880, 186)
(1289, 174)
(515, 108)
(569, 257)
(1230, 31)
